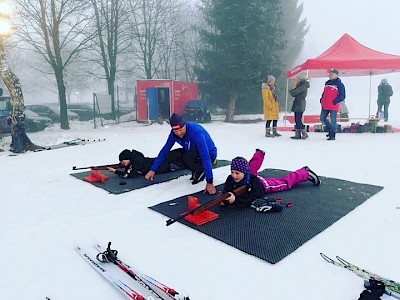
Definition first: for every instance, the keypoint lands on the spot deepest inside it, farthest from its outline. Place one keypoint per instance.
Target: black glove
(367, 295)
(262, 205)
(376, 287)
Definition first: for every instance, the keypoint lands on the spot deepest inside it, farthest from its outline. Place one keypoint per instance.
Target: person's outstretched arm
(161, 156)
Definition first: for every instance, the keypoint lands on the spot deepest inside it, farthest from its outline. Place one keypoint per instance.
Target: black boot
(198, 177)
(332, 135)
(312, 176)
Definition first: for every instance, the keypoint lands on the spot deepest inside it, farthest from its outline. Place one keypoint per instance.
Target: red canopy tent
(351, 59)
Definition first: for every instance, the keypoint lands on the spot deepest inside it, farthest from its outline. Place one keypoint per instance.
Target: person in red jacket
(334, 93)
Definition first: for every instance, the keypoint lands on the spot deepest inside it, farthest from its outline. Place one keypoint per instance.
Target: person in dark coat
(299, 105)
(136, 164)
(198, 152)
(385, 91)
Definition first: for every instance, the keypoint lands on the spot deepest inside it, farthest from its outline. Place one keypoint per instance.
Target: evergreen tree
(295, 30)
(242, 43)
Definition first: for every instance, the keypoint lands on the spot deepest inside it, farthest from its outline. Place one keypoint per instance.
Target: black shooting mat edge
(273, 236)
(117, 185)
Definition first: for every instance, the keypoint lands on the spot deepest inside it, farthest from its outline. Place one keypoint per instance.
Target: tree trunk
(64, 124)
(231, 108)
(111, 92)
(20, 141)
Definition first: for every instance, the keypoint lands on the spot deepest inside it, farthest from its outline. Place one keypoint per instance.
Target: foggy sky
(374, 24)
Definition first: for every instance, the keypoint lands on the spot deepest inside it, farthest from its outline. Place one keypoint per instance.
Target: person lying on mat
(136, 164)
(245, 173)
(198, 152)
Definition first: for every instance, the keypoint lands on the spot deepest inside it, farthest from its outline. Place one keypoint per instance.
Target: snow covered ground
(44, 210)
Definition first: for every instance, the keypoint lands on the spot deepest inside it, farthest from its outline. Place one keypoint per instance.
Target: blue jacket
(196, 139)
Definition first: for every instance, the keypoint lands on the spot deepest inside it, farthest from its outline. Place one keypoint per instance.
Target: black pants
(298, 118)
(274, 123)
(385, 109)
(186, 160)
(148, 162)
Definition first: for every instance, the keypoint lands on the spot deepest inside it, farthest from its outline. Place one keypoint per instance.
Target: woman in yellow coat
(270, 106)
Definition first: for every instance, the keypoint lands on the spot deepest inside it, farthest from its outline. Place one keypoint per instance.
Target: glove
(376, 287)
(262, 205)
(366, 295)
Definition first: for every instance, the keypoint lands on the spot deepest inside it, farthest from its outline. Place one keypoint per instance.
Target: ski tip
(328, 259)
(97, 244)
(77, 246)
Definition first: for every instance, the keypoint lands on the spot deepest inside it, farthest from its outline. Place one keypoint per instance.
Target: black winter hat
(125, 154)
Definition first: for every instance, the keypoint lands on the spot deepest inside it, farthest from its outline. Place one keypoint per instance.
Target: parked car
(34, 122)
(83, 110)
(5, 111)
(51, 111)
(119, 111)
(197, 110)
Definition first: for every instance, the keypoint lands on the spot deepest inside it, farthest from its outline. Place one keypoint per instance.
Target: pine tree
(242, 43)
(295, 30)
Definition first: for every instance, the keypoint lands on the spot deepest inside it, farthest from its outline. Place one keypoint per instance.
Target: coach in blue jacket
(198, 152)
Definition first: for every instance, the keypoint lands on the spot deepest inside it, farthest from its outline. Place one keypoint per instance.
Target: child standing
(245, 173)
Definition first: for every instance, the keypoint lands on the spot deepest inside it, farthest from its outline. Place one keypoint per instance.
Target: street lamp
(5, 24)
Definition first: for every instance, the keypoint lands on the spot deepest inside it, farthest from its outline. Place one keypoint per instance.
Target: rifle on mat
(237, 192)
(102, 167)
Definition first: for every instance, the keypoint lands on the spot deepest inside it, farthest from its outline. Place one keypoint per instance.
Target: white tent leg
(370, 87)
(287, 89)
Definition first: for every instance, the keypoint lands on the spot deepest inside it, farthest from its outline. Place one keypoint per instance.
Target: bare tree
(112, 38)
(20, 141)
(150, 23)
(76, 78)
(174, 27)
(54, 29)
(188, 44)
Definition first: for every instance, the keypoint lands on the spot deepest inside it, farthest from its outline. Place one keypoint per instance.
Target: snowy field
(44, 210)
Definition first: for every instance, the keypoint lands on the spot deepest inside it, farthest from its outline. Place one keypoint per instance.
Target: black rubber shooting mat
(118, 185)
(273, 236)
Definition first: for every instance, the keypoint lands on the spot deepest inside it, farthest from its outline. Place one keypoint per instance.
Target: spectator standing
(270, 106)
(385, 91)
(334, 93)
(299, 105)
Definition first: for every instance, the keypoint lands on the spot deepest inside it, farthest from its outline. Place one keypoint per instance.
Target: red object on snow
(96, 176)
(201, 218)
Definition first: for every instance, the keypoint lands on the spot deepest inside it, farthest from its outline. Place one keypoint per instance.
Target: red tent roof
(351, 59)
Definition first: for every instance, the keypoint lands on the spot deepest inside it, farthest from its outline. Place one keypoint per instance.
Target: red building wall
(180, 93)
